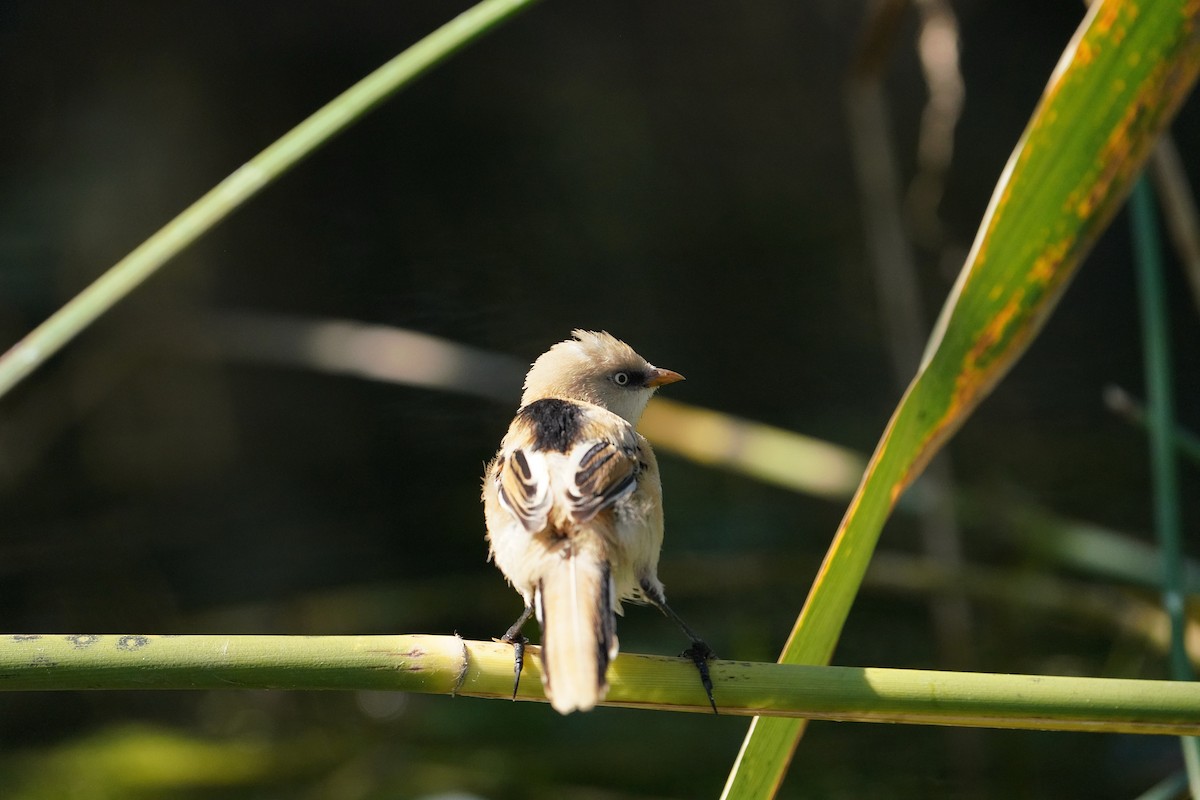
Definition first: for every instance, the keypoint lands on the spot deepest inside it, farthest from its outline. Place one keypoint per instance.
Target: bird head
(596, 367)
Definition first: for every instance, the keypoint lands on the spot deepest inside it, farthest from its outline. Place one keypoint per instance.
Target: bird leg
(699, 652)
(517, 639)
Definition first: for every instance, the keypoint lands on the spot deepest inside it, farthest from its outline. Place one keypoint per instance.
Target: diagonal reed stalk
(245, 182)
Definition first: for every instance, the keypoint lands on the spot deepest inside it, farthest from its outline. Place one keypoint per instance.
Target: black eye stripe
(629, 377)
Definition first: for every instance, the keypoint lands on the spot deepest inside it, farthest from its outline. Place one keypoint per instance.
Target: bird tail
(579, 637)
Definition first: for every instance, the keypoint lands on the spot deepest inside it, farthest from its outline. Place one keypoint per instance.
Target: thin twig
(904, 322)
(937, 47)
(1163, 466)
(1124, 404)
(1179, 209)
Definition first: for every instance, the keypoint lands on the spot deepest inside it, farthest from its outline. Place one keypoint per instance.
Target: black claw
(700, 653)
(514, 637)
(518, 642)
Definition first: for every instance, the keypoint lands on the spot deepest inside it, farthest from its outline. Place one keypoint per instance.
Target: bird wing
(602, 473)
(605, 473)
(523, 484)
(561, 479)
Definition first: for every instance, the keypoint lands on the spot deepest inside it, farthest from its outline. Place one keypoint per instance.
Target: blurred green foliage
(676, 173)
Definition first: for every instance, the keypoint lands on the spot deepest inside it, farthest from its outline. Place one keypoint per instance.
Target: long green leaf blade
(1120, 81)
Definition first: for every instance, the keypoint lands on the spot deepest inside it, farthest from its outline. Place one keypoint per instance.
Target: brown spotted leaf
(1120, 81)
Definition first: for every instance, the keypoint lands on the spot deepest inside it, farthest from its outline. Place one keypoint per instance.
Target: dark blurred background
(678, 173)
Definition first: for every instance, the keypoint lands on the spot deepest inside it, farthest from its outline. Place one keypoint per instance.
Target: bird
(574, 516)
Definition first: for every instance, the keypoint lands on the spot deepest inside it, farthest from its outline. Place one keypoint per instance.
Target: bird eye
(621, 379)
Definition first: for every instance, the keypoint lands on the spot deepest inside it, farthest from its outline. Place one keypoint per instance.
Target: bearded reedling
(573, 504)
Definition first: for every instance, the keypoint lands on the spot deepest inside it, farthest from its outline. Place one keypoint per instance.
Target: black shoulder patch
(556, 423)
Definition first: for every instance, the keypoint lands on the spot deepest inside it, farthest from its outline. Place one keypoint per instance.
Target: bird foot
(700, 654)
(518, 642)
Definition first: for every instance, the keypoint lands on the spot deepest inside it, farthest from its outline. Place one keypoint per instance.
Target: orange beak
(661, 377)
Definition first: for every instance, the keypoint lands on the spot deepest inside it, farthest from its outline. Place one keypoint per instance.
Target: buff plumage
(573, 505)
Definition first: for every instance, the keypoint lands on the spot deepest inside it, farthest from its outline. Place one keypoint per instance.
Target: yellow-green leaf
(1119, 82)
